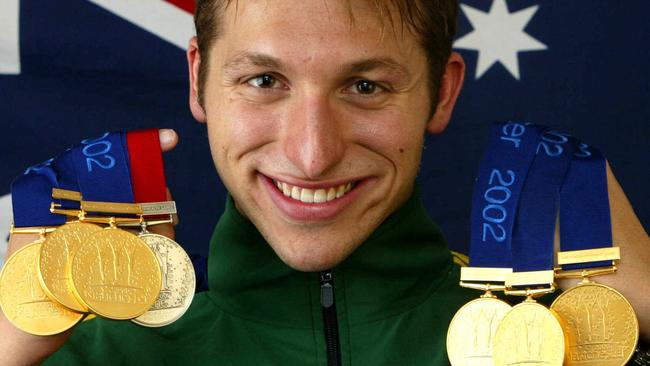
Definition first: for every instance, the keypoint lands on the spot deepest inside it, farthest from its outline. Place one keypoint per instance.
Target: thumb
(168, 139)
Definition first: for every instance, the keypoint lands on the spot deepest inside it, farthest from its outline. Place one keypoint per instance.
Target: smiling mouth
(308, 195)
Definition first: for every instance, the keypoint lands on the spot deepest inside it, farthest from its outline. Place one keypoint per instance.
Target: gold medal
(470, 337)
(23, 301)
(529, 334)
(54, 259)
(178, 282)
(471, 333)
(115, 274)
(600, 324)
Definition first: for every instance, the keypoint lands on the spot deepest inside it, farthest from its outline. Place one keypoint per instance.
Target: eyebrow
(377, 63)
(248, 59)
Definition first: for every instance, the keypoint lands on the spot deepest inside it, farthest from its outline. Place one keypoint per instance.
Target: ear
(193, 63)
(450, 85)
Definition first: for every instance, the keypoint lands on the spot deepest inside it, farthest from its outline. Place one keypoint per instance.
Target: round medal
(530, 334)
(115, 274)
(54, 260)
(471, 332)
(23, 301)
(600, 324)
(178, 282)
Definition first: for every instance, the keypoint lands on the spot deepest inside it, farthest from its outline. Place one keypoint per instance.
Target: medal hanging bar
(141, 209)
(66, 194)
(41, 231)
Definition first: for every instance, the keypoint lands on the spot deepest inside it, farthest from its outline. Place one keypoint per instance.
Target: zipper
(330, 321)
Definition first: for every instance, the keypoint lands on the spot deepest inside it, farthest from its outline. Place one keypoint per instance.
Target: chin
(309, 259)
(311, 264)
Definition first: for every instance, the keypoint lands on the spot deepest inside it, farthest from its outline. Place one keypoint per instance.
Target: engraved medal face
(530, 334)
(55, 257)
(178, 282)
(471, 333)
(115, 274)
(24, 302)
(600, 323)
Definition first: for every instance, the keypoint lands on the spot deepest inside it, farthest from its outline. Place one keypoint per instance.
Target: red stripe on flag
(187, 5)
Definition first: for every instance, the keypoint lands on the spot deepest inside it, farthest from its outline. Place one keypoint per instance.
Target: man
(316, 114)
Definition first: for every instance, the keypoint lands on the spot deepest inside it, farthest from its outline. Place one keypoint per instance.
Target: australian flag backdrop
(72, 69)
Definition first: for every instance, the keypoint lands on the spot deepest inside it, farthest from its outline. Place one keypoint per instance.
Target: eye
(365, 87)
(366, 93)
(265, 81)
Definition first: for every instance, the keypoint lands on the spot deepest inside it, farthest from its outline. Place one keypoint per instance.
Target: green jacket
(394, 298)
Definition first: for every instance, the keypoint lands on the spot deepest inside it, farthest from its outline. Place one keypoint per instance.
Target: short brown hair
(433, 21)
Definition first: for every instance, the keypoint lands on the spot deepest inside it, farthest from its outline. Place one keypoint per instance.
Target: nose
(313, 138)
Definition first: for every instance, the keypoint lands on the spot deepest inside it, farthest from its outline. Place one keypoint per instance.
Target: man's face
(316, 122)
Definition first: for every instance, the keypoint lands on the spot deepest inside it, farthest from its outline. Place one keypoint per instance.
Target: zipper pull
(326, 289)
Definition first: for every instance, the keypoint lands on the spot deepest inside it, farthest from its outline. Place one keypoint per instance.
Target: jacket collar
(395, 269)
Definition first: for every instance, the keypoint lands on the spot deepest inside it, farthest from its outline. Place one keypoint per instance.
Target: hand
(20, 348)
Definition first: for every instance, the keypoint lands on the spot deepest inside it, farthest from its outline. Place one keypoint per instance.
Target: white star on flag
(498, 36)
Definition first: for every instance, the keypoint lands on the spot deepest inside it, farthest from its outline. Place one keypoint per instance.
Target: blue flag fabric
(73, 69)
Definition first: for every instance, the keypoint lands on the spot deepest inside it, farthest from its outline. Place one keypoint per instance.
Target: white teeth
(320, 196)
(313, 196)
(331, 194)
(295, 193)
(307, 195)
(340, 191)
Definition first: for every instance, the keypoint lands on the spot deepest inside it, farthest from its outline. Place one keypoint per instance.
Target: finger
(168, 139)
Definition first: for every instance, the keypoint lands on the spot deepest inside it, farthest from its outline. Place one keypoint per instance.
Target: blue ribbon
(532, 243)
(585, 221)
(508, 157)
(98, 168)
(102, 168)
(31, 196)
(63, 165)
